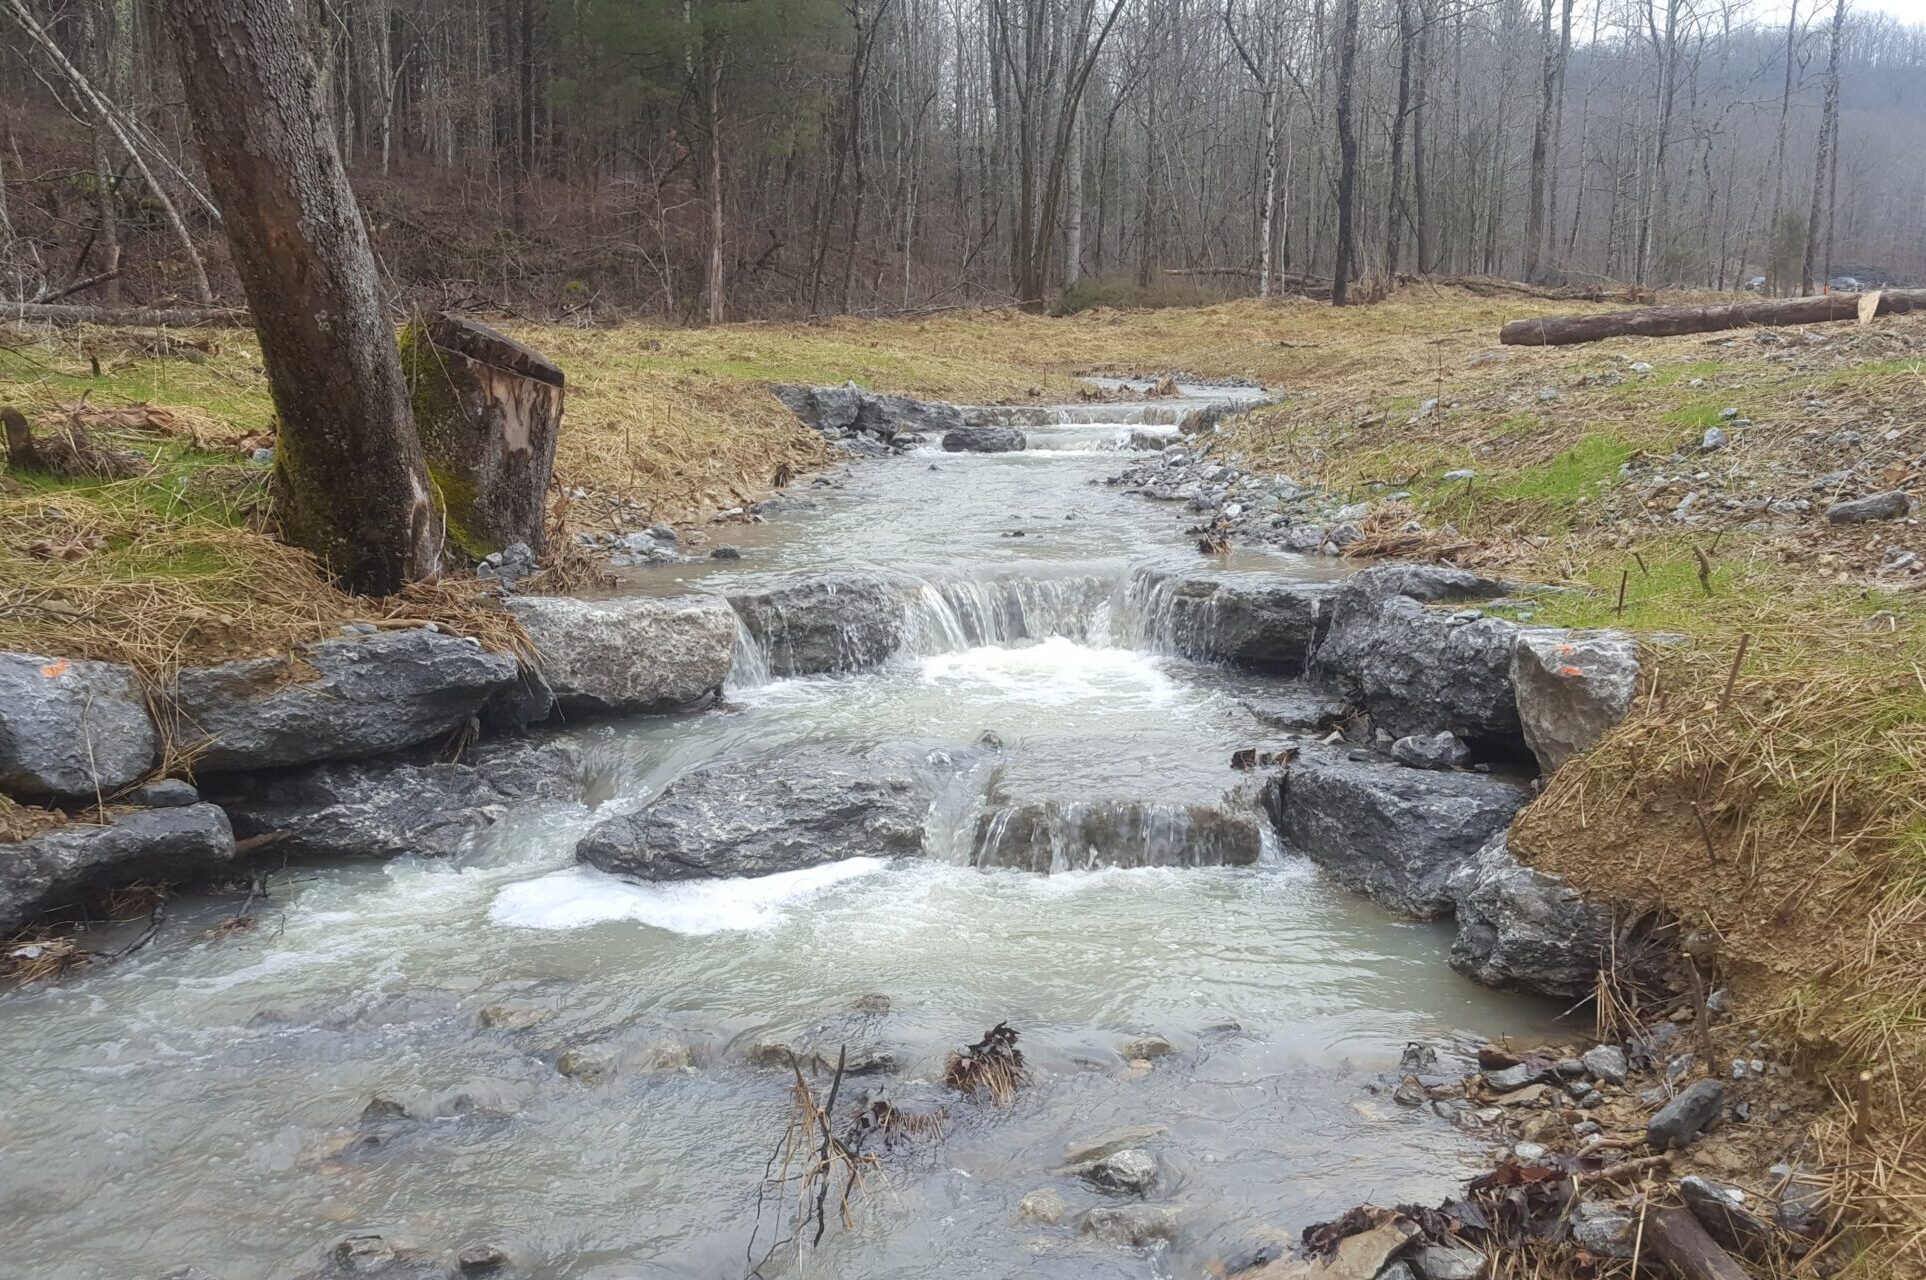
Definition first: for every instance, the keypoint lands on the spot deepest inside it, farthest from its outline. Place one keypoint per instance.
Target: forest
(722, 160)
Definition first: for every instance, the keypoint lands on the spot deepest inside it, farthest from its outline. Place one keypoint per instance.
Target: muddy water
(201, 1102)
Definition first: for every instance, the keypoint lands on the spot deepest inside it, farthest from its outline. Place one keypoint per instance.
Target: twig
(1705, 569)
(1624, 576)
(154, 920)
(1732, 676)
(829, 1110)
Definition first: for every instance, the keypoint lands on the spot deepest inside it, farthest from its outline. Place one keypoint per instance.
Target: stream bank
(1054, 724)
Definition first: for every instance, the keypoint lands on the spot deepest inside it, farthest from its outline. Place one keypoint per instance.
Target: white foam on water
(1055, 670)
(581, 896)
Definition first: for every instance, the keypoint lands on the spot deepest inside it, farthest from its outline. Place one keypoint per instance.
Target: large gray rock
(1419, 670)
(1256, 621)
(391, 808)
(1571, 688)
(71, 729)
(985, 440)
(1395, 834)
(850, 410)
(1679, 1122)
(782, 810)
(1877, 506)
(1044, 836)
(72, 864)
(1521, 930)
(339, 699)
(635, 654)
(811, 624)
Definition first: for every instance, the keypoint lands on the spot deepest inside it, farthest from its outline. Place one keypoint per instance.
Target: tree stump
(488, 410)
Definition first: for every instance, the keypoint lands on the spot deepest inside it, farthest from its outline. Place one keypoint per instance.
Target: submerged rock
(985, 440)
(71, 729)
(1041, 1208)
(69, 865)
(1522, 930)
(1258, 622)
(637, 654)
(1130, 1171)
(810, 624)
(1133, 1226)
(397, 807)
(781, 810)
(1571, 688)
(1396, 834)
(337, 699)
(1417, 670)
(1047, 836)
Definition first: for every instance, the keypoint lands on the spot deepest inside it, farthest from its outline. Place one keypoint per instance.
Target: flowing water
(202, 1101)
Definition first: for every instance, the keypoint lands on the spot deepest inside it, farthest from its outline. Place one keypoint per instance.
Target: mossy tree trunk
(351, 485)
(488, 410)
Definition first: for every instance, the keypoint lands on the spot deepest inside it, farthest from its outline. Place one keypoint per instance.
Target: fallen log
(1682, 1244)
(1666, 322)
(134, 317)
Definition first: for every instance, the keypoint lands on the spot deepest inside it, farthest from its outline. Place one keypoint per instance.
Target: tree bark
(1828, 140)
(1347, 139)
(351, 483)
(1682, 1244)
(1665, 322)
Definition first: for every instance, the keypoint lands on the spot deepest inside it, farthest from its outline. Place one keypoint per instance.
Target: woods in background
(728, 159)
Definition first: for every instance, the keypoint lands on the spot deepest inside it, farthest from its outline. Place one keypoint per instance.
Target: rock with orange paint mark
(1573, 686)
(70, 729)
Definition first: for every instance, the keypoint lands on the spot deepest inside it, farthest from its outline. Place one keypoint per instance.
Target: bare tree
(351, 483)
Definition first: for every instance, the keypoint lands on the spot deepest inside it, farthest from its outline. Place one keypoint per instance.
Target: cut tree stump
(488, 410)
(1666, 322)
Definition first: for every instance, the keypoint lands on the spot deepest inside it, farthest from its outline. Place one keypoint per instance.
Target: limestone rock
(1522, 930)
(809, 624)
(1572, 687)
(1681, 1120)
(1878, 506)
(1442, 750)
(1130, 1171)
(1043, 1208)
(1133, 1226)
(985, 440)
(1255, 621)
(629, 655)
(396, 806)
(852, 410)
(1105, 1144)
(1606, 1062)
(71, 729)
(1419, 670)
(339, 699)
(782, 810)
(1393, 833)
(71, 864)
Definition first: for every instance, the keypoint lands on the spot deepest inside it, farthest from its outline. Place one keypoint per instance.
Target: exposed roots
(812, 1164)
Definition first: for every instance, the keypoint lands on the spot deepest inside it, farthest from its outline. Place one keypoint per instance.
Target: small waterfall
(751, 664)
(947, 615)
(1048, 837)
(1168, 613)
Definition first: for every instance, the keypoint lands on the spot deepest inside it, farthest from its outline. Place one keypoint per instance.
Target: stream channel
(202, 1101)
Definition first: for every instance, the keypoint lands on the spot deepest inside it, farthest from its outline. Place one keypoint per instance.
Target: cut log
(489, 410)
(1682, 1244)
(135, 317)
(1665, 322)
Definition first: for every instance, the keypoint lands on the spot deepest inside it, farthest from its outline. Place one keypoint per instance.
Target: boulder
(1040, 1208)
(71, 864)
(628, 655)
(488, 410)
(810, 624)
(338, 699)
(782, 810)
(1046, 836)
(851, 410)
(1393, 833)
(396, 807)
(1877, 506)
(1255, 621)
(1132, 1226)
(1571, 688)
(71, 729)
(1522, 930)
(985, 440)
(1130, 1171)
(1419, 670)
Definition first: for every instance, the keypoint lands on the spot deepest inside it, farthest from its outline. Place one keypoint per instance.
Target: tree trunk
(1779, 156)
(712, 102)
(1073, 207)
(1540, 141)
(1347, 140)
(1828, 140)
(1666, 322)
(351, 483)
(1394, 214)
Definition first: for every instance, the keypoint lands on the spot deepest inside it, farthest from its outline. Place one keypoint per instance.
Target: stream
(202, 1101)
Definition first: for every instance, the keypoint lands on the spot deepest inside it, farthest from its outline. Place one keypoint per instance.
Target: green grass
(1573, 475)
